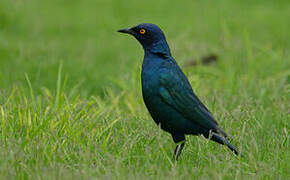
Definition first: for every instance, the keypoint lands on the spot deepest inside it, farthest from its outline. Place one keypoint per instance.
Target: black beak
(127, 31)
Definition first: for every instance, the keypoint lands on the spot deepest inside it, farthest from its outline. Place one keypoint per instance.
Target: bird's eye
(142, 31)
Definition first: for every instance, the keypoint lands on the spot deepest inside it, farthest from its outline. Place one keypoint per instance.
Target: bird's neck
(155, 56)
(159, 48)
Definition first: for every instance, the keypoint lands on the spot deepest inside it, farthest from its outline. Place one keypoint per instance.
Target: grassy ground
(70, 97)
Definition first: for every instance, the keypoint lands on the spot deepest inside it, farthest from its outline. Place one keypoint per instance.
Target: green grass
(70, 98)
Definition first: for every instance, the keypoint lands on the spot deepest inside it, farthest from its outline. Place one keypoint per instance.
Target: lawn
(70, 95)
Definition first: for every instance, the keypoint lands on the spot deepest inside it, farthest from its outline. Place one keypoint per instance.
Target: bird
(168, 95)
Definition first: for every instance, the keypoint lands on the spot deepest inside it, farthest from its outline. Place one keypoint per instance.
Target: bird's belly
(169, 119)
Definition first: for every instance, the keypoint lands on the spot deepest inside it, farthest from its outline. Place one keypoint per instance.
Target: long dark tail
(217, 138)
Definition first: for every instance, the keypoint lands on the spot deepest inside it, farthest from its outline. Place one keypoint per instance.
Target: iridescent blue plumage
(167, 93)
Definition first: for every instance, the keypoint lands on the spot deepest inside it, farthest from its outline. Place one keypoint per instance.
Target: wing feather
(176, 91)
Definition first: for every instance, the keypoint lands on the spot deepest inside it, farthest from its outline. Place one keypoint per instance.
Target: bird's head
(150, 37)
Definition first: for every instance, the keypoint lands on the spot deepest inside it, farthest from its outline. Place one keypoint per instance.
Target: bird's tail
(217, 138)
(220, 131)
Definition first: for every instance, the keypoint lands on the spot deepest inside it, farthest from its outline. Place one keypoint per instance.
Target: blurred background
(37, 36)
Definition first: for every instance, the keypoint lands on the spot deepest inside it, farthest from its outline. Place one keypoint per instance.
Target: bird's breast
(150, 82)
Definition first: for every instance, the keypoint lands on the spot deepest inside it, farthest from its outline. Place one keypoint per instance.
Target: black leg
(178, 150)
(180, 140)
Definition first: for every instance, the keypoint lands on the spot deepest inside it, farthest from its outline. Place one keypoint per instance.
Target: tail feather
(220, 131)
(217, 138)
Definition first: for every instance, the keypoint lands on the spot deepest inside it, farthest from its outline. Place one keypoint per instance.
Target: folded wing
(176, 91)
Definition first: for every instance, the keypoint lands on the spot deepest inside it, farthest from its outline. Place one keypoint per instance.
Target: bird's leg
(179, 139)
(178, 150)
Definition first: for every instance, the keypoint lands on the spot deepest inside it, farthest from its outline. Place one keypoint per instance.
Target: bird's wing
(176, 91)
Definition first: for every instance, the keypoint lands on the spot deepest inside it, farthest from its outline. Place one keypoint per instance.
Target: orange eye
(142, 31)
